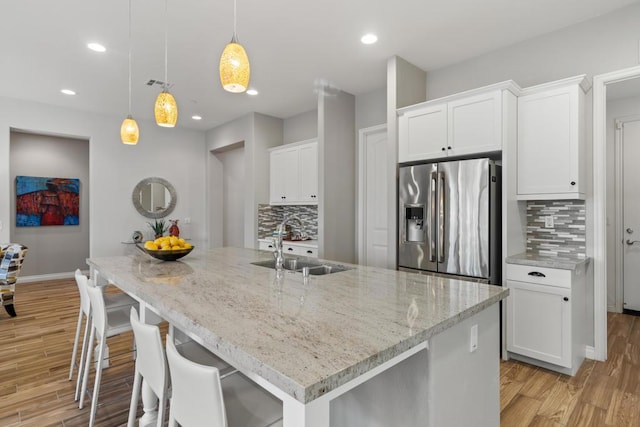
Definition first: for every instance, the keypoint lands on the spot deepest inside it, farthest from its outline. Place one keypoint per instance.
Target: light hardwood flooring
(35, 352)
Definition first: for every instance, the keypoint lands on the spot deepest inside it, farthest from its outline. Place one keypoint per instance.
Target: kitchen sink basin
(296, 265)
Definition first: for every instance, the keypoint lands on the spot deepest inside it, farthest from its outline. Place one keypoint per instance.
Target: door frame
(619, 207)
(361, 223)
(600, 83)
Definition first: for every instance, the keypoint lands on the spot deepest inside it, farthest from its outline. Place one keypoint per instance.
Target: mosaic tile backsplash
(566, 237)
(269, 217)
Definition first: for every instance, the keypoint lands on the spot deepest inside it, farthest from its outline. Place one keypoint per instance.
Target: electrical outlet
(0, 225)
(548, 221)
(187, 220)
(473, 339)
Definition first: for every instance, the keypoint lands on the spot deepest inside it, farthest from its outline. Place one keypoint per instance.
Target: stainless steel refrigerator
(449, 219)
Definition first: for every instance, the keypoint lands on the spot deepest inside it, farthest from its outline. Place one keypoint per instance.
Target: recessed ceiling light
(67, 92)
(196, 117)
(369, 38)
(97, 47)
(252, 92)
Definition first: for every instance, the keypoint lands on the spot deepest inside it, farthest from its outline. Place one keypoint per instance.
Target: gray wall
(52, 249)
(600, 45)
(258, 132)
(336, 177)
(371, 108)
(300, 127)
(233, 190)
(115, 168)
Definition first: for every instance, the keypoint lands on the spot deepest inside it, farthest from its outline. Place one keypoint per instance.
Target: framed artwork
(47, 201)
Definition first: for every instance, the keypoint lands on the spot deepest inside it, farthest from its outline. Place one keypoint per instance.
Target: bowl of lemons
(167, 248)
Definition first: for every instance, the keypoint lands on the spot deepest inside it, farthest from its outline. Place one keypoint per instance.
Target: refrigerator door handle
(432, 217)
(441, 211)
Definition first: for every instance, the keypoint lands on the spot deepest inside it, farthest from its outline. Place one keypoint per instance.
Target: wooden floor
(35, 351)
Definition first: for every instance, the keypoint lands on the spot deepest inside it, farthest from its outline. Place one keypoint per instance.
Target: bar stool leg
(149, 405)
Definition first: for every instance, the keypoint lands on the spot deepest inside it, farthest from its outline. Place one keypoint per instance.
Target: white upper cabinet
(308, 157)
(551, 142)
(294, 174)
(422, 134)
(475, 124)
(460, 125)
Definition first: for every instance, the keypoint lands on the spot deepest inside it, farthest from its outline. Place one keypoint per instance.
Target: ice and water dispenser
(414, 223)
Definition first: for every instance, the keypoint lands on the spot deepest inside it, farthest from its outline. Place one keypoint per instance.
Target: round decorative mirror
(154, 197)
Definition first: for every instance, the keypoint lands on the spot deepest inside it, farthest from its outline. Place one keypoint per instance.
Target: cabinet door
(539, 322)
(284, 184)
(475, 124)
(549, 144)
(422, 134)
(309, 173)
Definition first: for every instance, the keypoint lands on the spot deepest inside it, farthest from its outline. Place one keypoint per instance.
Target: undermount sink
(296, 265)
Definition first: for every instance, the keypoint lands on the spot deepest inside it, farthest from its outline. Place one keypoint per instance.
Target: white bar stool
(112, 302)
(199, 398)
(103, 325)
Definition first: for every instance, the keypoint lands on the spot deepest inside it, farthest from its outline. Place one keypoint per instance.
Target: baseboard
(590, 352)
(43, 277)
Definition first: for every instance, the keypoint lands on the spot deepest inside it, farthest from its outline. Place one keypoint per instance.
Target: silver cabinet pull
(632, 242)
(432, 219)
(441, 215)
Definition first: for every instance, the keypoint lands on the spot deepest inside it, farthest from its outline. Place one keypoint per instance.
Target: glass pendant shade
(129, 132)
(166, 110)
(234, 68)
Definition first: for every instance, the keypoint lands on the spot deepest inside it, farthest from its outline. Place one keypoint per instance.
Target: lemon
(158, 241)
(165, 244)
(150, 245)
(187, 246)
(165, 248)
(181, 242)
(175, 247)
(174, 241)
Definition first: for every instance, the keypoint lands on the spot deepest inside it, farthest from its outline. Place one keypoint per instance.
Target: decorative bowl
(166, 255)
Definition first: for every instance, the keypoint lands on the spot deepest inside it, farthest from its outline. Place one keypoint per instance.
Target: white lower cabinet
(301, 249)
(546, 317)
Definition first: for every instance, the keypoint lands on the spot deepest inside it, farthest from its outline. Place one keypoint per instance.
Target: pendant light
(234, 63)
(166, 109)
(129, 132)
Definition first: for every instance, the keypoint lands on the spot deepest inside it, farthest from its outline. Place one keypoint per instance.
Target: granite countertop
(306, 338)
(563, 262)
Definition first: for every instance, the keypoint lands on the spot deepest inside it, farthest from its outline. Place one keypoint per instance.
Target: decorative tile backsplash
(566, 237)
(269, 217)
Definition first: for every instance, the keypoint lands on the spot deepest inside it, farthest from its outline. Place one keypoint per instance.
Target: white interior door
(631, 214)
(374, 200)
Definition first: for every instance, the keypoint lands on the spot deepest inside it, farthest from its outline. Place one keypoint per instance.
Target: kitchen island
(367, 346)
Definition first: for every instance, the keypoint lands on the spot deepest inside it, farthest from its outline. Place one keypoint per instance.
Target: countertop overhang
(305, 337)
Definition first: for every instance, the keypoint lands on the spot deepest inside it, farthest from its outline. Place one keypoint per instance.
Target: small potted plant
(159, 226)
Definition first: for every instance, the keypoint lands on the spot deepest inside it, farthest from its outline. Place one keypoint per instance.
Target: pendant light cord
(235, 37)
(129, 57)
(166, 41)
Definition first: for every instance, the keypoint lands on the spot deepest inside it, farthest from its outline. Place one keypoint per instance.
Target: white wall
(173, 154)
(52, 249)
(603, 44)
(300, 127)
(616, 109)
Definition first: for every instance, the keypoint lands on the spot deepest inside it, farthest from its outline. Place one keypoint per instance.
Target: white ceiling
(291, 44)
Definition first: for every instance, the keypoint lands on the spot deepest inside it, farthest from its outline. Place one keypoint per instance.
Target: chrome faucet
(277, 241)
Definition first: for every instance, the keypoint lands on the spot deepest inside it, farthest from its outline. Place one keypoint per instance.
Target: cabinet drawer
(266, 246)
(539, 275)
(300, 250)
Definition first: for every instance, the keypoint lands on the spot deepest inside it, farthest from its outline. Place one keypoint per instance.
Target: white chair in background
(199, 398)
(103, 325)
(112, 302)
